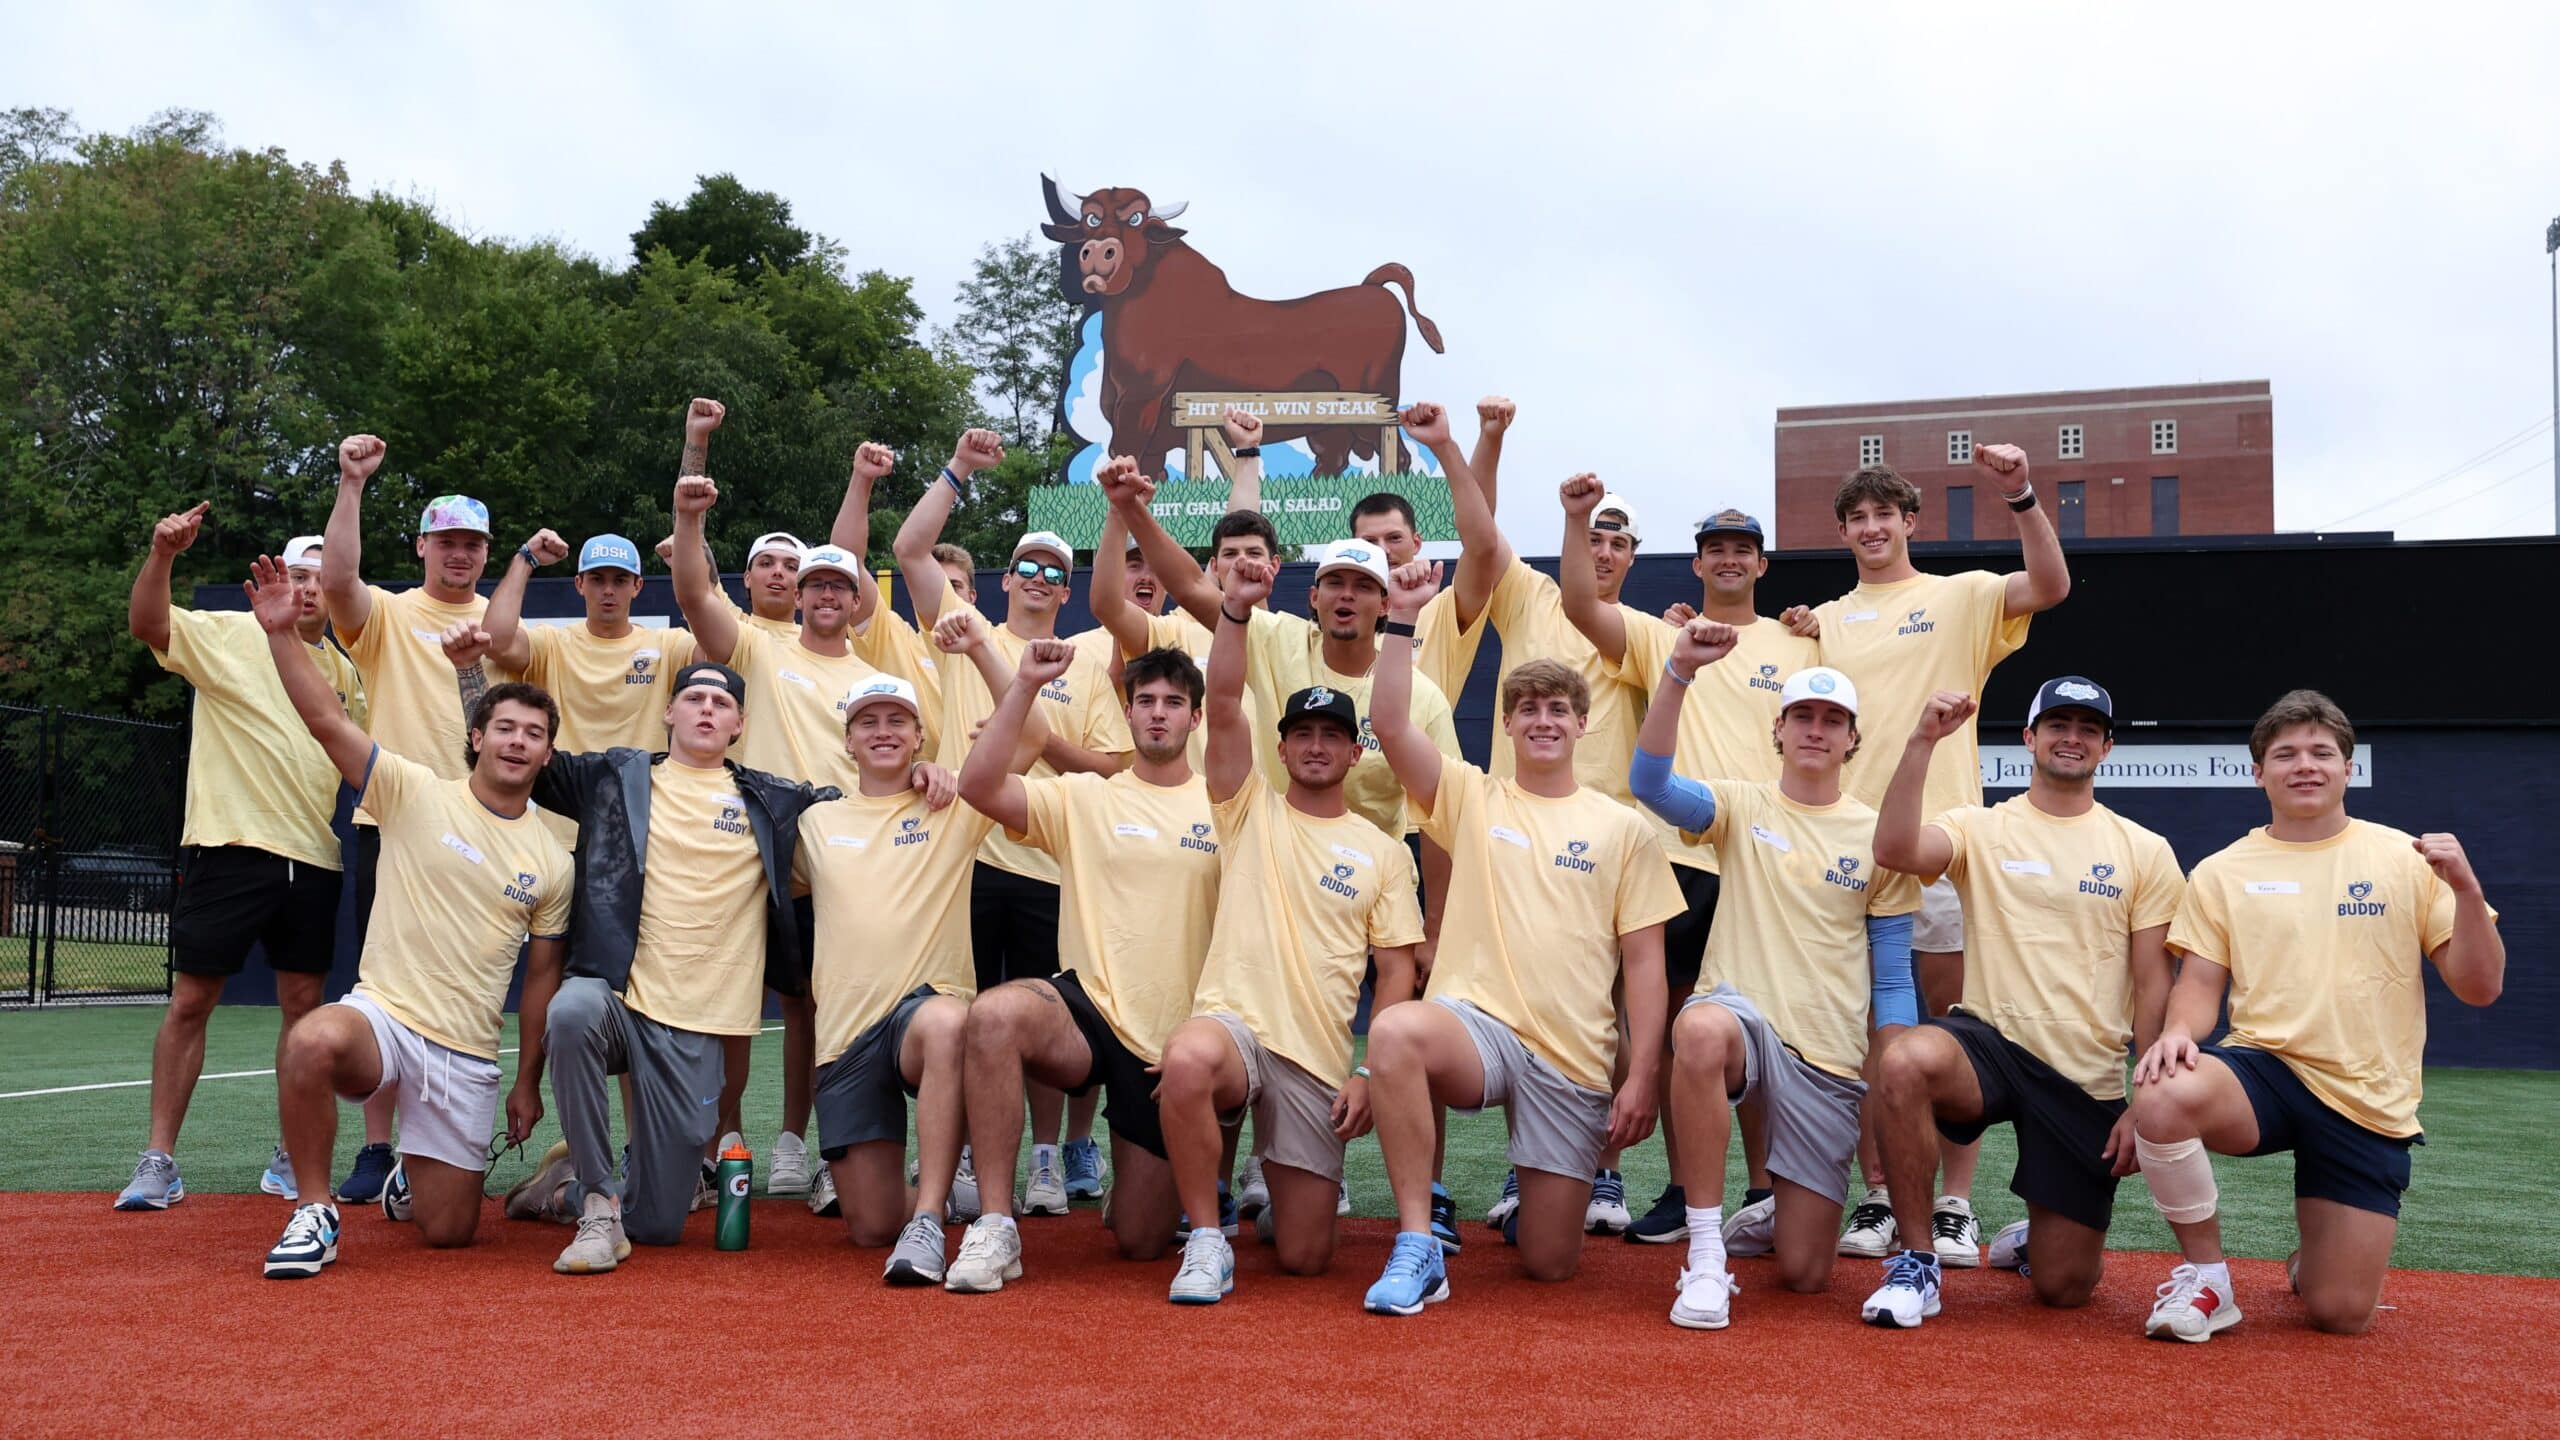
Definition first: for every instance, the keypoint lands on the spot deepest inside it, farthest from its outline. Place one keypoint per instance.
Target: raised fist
(871, 460)
(1944, 715)
(977, 450)
(358, 457)
(960, 630)
(1800, 620)
(547, 547)
(1248, 584)
(271, 597)
(1121, 483)
(703, 416)
(1425, 422)
(465, 644)
(2443, 854)
(1242, 428)
(1581, 495)
(667, 551)
(2006, 464)
(1493, 415)
(696, 494)
(1411, 585)
(1701, 642)
(176, 532)
(1044, 661)
(938, 786)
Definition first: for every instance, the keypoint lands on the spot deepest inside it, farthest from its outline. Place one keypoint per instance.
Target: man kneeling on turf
(1138, 886)
(1308, 890)
(1557, 895)
(1811, 937)
(2316, 925)
(468, 872)
(2067, 908)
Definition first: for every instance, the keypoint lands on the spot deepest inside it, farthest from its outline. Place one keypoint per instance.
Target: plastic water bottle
(736, 1173)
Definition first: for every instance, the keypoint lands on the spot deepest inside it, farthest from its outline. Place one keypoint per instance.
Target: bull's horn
(1058, 211)
(1168, 212)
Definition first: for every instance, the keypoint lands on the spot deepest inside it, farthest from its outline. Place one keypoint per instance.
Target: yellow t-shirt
(1178, 631)
(795, 709)
(1540, 889)
(1096, 642)
(2324, 942)
(1285, 655)
(459, 888)
(1527, 611)
(414, 703)
(778, 629)
(1300, 904)
(889, 882)
(1731, 709)
(1140, 887)
(888, 642)
(1791, 915)
(255, 776)
(610, 692)
(700, 961)
(1903, 642)
(1081, 706)
(2050, 902)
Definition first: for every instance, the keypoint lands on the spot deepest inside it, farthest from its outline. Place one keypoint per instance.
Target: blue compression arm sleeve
(1676, 798)
(1896, 999)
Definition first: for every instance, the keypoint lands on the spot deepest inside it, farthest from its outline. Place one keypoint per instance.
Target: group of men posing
(1158, 860)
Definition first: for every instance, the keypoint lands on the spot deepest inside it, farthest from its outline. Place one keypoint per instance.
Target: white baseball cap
(881, 689)
(774, 542)
(1821, 682)
(830, 557)
(302, 550)
(1357, 555)
(1050, 541)
(1625, 524)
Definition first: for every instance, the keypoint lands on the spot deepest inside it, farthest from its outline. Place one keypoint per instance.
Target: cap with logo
(1354, 555)
(608, 552)
(704, 672)
(1325, 702)
(2072, 692)
(833, 558)
(1050, 541)
(882, 689)
(453, 512)
(1732, 522)
(775, 542)
(1616, 504)
(1821, 682)
(302, 550)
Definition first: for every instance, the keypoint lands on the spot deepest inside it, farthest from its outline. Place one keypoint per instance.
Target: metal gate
(90, 811)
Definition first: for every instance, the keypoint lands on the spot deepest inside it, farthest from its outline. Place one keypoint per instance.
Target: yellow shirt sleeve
(542, 668)
(1460, 792)
(551, 913)
(1720, 829)
(2160, 889)
(2203, 924)
(1397, 917)
(1955, 825)
(1047, 805)
(389, 781)
(1998, 633)
(1647, 892)
(1102, 722)
(1894, 894)
(366, 648)
(1648, 649)
(2441, 906)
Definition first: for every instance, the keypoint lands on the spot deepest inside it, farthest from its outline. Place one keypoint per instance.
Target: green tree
(1018, 333)
(724, 222)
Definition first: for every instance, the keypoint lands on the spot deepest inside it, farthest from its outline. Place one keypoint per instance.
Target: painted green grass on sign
(1306, 511)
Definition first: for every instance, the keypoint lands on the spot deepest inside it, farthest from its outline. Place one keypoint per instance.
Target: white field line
(221, 1075)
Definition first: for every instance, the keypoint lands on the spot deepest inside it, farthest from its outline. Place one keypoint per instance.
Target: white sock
(1043, 1156)
(2217, 1275)
(1706, 1238)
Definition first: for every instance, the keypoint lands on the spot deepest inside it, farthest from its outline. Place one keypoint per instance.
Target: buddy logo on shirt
(1767, 679)
(643, 668)
(911, 831)
(1337, 882)
(2096, 883)
(1199, 839)
(1915, 623)
(2357, 905)
(1573, 859)
(522, 891)
(1845, 874)
(732, 819)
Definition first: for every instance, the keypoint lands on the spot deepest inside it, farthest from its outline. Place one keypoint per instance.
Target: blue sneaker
(1084, 1170)
(1607, 1212)
(1509, 1205)
(309, 1244)
(363, 1184)
(1415, 1276)
(1444, 1219)
(155, 1184)
(395, 1194)
(279, 1177)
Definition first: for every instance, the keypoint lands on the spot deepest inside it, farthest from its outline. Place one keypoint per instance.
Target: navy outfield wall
(2195, 638)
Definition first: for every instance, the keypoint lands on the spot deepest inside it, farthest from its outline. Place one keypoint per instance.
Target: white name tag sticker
(1855, 616)
(1356, 857)
(1509, 836)
(849, 842)
(643, 653)
(796, 678)
(2027, 867)
(1767, 836)
(434, 639)
(1128, 831)
(463, 848)
(2273, 887)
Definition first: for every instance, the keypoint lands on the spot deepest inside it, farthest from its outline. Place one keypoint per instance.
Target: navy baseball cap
(1323, 701)
(2072, 692)
(704, 672)
(1732, 522)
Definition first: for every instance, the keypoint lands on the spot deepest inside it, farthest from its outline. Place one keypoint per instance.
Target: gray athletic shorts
(1292, 1109)
(1939, 927)
(1556, 1125)
(1813, 1114)
(448, 1100)
(861, 1095)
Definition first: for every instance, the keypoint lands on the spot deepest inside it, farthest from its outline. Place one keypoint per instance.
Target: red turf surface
(161, 1323)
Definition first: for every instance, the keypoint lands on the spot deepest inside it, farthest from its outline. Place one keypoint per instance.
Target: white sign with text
(2158, 767)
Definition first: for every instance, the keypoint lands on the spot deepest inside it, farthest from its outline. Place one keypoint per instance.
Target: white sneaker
(1706, 1299)
(963, 1208)
(822, 1192)
(1753, 1229)
(2009, 1247)
(1954, 1234)
(1342, 1200)
(1253, 1193)
(599, 1244)
(990, 1254)
(2189, 1309)
(1606, 1214)
(788, 1173)
(1047, 1192)
(1208, 1270)
(1908, 1295)
(1870, 1234)
(1504, 1207)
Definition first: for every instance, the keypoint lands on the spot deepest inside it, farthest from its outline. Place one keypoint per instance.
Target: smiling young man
(470, 874)
(1308, 891)
(1812, 938)
(2318, 926)
(2067, 905)
(1905, 636)
(260, 868)
(1557, 898)
(396, 641)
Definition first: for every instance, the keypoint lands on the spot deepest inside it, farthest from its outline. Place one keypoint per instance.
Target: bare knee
(1907, 1067)
(870, 1234)
(2063, 1288)
(1190, 1069)
(1805, 1275)
(191, 1003)
(2338, 1314)
(1697, 1040)
(1304, 1256)
(1149, 1243)
(1391, 1036)
(1551, 1267)
(447, 1232)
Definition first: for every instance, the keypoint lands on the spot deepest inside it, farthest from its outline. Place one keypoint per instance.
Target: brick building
(2150, 460)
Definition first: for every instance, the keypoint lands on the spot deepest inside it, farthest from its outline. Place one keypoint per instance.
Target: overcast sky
(1651, 227)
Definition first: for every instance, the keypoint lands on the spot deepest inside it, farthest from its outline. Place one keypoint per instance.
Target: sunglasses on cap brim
(1035, 570)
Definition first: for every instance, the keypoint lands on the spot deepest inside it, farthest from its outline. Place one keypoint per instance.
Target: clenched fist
(465, 643)
(176, 532)
(1494, 414)
(1044, 661)
(1121, 482)
(1944, 715)
(358, 457)
(1701, 643)
(1241, 427)
(1581, 495)
(696, 494)
(1410, 586)
(1426, 422)
(547, 547)
(871, 460)
(2443, 853)
(959, 631)
(703, 416)
(977, 450)
(2006, 465)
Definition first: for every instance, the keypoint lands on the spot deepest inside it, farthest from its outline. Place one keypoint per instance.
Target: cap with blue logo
(1818, 683)
(1732, 522)
(1355, 555)
(881, 689)
(454, 512)
(608, 552)
(1322, 702)
(832, 558)
(2073, 692)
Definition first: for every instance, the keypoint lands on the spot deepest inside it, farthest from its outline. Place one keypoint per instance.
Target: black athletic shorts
(2334, 1158)
(1684, 936)
(861, 1095)
(231, 897)
(1013, 926)
(1130, 1103)
(2061, 1129)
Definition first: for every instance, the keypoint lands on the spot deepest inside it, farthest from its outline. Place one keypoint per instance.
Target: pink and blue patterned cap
(454, 512)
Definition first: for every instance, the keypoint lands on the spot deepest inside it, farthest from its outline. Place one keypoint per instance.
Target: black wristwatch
(1249, 452)
(1396, 627)
(2024, 502)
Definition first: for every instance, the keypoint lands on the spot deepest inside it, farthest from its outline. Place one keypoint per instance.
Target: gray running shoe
(990, 1254)
(599, 1244)
(155, 1184)
(918, 1258)
(539, 1196)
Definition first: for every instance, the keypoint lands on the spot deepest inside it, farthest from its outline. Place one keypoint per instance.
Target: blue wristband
(1674, 676)
(959, 486)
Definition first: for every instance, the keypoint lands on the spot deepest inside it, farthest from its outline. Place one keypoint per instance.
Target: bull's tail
(1394, 274)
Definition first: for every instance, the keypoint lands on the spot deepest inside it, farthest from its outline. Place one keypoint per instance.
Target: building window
(2164, 437)
(1959, 447)
(1959, 512)
(2164, 505)
(1870, 449)
(2072, 444)
(2071, 509)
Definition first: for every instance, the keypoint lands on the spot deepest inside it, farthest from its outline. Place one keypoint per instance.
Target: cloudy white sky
(1650, 225)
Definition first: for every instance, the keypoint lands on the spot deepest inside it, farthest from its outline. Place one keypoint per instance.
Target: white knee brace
(2181, 1178)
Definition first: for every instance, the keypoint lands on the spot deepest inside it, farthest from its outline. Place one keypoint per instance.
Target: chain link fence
(90, 811)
